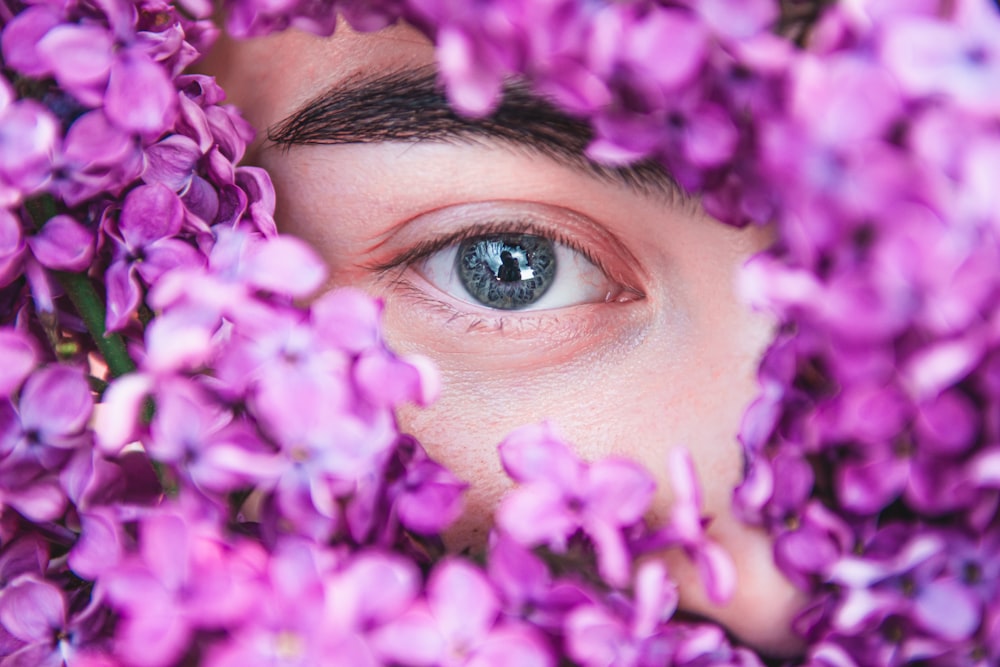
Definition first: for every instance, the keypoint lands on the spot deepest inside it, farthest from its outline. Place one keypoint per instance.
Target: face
(542, 286)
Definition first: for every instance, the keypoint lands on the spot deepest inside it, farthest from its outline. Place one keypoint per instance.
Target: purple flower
(909, 582)
(79, 57)
(12, 248)
(96, 156)
(959, 58)
(204, 442)
(312, 607)
(653, 111)
(426, 498)
(101, 544)
(111, 65)
(240, 266)
(687, 530)
(29, 138)
(27, 554)
(476, 47)
(18, 358)
(63, 244)
(144, 246)
(21, 36)
(140, 96)
(528, 589)
(872, 451)
(38, 436)
(39, 628)
(184, 576)
(559, 495)
(459, 624)
(813, 543)
(736, 18)
(597, 635)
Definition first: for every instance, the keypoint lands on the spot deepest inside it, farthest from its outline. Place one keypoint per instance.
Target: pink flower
(38, 438)
(145, 247)
(459, 624)
(559, 495)
(41, 628)
(599, 635)
(184, 576)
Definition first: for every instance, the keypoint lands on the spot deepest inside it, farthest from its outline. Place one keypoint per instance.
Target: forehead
(271, 77)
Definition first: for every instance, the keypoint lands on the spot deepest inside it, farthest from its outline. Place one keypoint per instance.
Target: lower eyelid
(499, 340)
(486, 320)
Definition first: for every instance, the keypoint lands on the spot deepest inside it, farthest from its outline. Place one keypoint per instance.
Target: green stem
(97, 384)
(85, 298)
(89, 305)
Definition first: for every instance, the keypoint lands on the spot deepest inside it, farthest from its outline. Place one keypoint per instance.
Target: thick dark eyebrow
(410, 106)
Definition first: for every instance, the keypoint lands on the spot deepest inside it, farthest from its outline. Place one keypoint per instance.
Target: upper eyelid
(427, 248)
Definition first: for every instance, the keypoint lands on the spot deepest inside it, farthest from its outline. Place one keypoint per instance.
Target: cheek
(638, 405)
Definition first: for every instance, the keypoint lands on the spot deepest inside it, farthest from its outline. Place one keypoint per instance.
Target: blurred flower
(458, 624)
(39, 628)
(38, 437)
(559, 495)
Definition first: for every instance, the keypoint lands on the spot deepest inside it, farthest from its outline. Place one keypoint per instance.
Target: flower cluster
(879, 395)
(196, 467)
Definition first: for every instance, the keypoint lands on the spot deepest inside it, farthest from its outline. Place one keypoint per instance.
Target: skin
(670, 361)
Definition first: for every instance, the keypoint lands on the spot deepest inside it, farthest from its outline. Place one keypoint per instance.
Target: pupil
(507, 271)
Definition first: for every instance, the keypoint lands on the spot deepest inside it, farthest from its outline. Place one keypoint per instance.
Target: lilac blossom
(687, 529)
(560, 495)
(29, 136)
(18, 358)
(312, 606)
(426, 497)
(182, 576)
(907, 583)
(38, 437)
(88, 62)
(96, 157)
(145, 247)
(529, 589)
(458, 624)
(39, 628)
(595, 635)
(872, 456)
(956, 62)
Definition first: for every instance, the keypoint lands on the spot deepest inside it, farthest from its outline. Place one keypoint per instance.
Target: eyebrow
(410, 106)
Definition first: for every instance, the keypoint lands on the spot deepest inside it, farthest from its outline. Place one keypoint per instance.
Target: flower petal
(150, 213)
(56, 402)
(463, 602)
(31, 610)
(63, 244)
(140, 97)
(18, 357)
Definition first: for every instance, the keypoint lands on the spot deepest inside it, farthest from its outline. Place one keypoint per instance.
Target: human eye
(516, 257)
(516, 271)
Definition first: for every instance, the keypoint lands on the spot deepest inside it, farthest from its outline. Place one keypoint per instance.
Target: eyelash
(395, 271)
(427, 248)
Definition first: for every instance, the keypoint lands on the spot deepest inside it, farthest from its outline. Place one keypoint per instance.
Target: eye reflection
(508, 271)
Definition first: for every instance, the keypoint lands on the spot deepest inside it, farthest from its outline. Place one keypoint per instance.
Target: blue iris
(507, 271)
